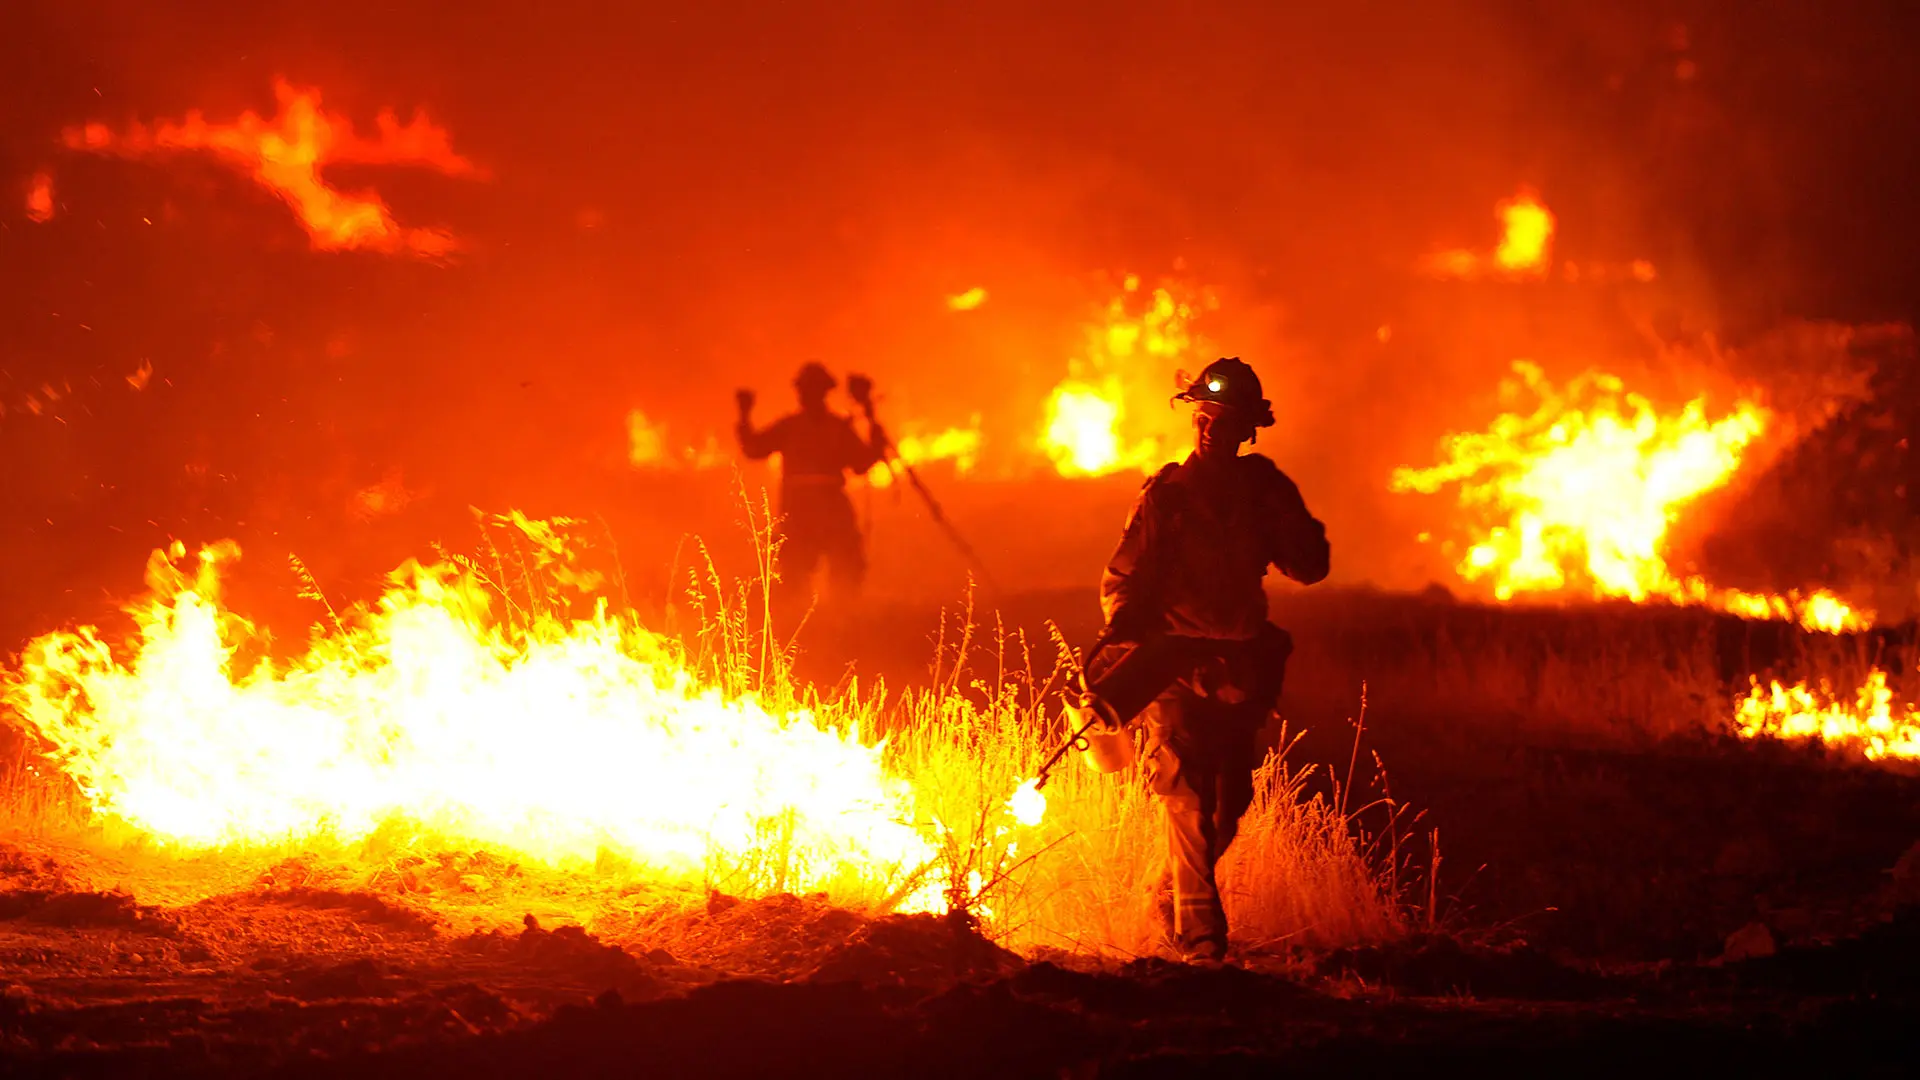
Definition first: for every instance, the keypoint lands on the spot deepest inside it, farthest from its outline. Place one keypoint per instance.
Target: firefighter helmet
(815, 376)
(1230, 381)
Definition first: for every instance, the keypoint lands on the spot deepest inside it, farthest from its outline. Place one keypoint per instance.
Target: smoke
(682, 203)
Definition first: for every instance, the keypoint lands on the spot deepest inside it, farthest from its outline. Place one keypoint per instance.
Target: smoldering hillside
(680, 202)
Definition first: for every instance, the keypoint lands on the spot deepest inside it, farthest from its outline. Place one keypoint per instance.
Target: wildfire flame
(1526, 235)
(959, 445)
(286, 155)
(40, 197)
(1580, 493)
(1868, 725)
(969, 300)
(646, 441)
(1028, 803)
(435, 716)
(648, 447)
(1525, 249)
(1099, 419)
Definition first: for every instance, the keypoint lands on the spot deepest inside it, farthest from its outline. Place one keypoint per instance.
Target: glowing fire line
(1579, 495)
(559, 740)
(286, 155)
(1869, 725)
(959, 446)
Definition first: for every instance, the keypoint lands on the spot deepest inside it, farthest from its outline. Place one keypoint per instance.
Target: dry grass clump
(1612, 673)
(1305, 870)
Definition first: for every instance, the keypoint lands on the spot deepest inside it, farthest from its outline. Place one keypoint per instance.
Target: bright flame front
(1579, 495)
(1870, 725)
(959, 446)
(559, 739)
(1100, 419)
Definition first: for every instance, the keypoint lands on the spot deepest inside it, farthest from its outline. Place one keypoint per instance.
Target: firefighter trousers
(820, 527)
(1203, 745)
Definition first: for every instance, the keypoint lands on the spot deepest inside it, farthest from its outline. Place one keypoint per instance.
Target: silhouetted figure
(817, 449)
(1187, 630)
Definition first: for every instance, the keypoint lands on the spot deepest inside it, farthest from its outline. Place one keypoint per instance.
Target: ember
(40, 197)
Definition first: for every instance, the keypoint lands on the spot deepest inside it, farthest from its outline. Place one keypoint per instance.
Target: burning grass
(1871, 724)
(1616, 674)
(1580, 494)
(501, 733)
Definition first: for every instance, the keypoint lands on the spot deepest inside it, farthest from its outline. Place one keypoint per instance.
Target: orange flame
(1100, 419)
(286, 155)
(1869, 725)
(40, 197)
(646, 441)
(1028, 803)
(438, 715)
(1580, 494)
(967, 301)
(958, 445)
(1525, 249)
(649, 446)
(1526, 239)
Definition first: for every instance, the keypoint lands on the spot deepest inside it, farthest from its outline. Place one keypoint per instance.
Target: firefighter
(817, 449)
(1187, 629)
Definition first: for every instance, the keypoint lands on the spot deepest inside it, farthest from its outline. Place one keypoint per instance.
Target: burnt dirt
(1838, 1009)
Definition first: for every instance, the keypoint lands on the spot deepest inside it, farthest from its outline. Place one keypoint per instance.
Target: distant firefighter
(817, 449)
(1187, 633)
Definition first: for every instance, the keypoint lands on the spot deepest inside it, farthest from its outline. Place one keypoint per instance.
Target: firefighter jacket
(816, 451)
(1198, 544)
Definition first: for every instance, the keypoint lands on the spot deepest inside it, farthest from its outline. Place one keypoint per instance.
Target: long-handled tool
(860, 389)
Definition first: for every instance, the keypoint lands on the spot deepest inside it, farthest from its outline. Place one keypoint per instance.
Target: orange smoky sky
(682, 200)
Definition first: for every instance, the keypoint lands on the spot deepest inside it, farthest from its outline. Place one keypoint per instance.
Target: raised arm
(755, 443)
